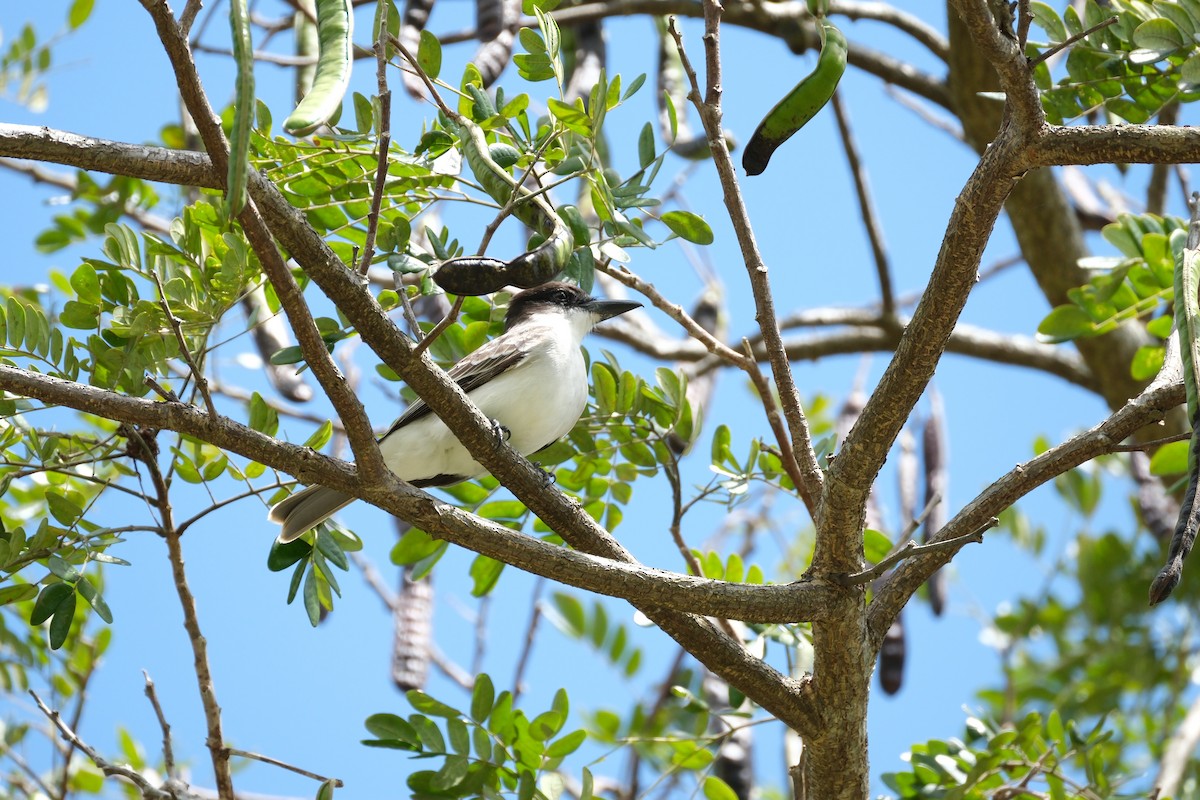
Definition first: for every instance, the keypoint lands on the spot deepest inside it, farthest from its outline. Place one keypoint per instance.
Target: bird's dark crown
(556, 293)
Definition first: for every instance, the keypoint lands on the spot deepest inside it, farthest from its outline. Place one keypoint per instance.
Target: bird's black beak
(607, 309)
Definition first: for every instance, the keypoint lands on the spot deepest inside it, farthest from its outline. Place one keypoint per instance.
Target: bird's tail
(306, 509)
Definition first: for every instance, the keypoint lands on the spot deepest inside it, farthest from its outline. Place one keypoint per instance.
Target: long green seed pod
(243, 107)
(801, 104)
(476, 275)
(335, 27)
(308, 45)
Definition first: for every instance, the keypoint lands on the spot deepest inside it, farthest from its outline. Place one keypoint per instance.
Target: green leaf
(571, 610)
(429, 54)
(18, 593)
(573, 117)
(1158, 34)
(428, 705)
(320, 436)
(1170, 459)
(483, 695)
(646, 146)
(485, 572)
(79, 12)
(94, 599)
(717, 789)
(689, 226)
(48, 602)
(60, 623)
(391, 727)
(566, 745)
(283, 555)
(1065, 323)
(61, 568)
(604, 386)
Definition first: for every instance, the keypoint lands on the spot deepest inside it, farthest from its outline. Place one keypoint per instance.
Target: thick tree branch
(638, 584)
(897, 588)
(788, 21)
(1114, 144)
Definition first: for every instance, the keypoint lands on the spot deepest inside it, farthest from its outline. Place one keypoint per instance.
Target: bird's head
(565, 300)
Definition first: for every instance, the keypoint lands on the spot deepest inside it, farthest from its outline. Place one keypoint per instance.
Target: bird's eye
(562, 297)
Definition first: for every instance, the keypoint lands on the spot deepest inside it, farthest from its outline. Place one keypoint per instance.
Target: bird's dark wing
(475, 370)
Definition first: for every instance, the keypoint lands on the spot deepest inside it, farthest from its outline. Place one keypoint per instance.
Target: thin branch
(756, 270)
(383, 145)
(184, 350)
(437, 330)
(149, 221)
(167, 750)
(910, 549)
(191, 623)
(894, 591)
(695, 330)
(1070, 40)
(147, 789)
(535, 616)
(866, 206)
(233, 751)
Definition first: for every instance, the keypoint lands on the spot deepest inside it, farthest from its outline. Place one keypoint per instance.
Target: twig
(29, 771)
(787, 456)
(233, 751)
(1024, 20)
(191, 623)
(184, 350)
(67, 181)
(756, 269)
(1138, 447)
(535, 616)
(162, 391)
(676, 312)
(911, 548)
(671, 470)
(189, 16)
(866, 206)
(147, 789)
(436, 330)
(167, 750)
(383, 145)
(1070, 40)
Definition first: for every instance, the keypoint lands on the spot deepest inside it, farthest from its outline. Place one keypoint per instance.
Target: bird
(531, 381)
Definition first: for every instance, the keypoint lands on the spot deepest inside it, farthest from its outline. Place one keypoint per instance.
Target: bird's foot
(550, 477)
(502, 433)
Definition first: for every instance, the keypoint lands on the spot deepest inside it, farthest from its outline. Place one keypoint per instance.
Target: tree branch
(709, 110)
(1148, 407)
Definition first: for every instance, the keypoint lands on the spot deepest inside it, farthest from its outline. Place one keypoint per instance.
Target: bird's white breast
(539, 400)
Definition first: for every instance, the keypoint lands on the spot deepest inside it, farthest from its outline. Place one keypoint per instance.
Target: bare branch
(233, 751)
(911, 548)
(866, 206)
(167, 750)
(147, 789)
(895, 590)
(764, 302)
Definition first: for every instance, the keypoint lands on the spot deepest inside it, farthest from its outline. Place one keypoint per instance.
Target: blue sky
(301, 694)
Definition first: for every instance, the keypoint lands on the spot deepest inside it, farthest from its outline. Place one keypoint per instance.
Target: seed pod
(801, 104)
(937, 484)
(335, 27)
(891, 657)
